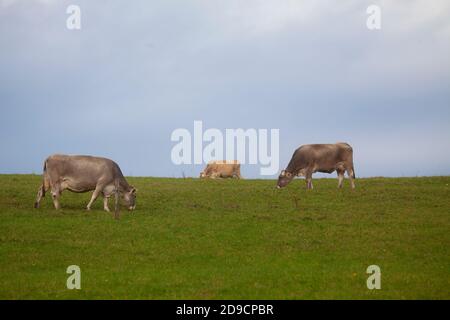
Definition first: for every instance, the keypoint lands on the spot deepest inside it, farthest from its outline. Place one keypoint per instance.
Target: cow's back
(320, 156)
(85, 169)
(335, 152)
(344, 151)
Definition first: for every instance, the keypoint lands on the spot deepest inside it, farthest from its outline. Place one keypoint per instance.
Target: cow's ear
(133, 190)
(283, 173)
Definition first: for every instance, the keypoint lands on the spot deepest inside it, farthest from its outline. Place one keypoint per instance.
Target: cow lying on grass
(222, 169)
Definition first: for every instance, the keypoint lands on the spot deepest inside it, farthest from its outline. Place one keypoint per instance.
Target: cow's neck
(292, 168)
(124, 186)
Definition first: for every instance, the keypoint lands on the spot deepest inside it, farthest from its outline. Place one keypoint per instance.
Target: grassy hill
(198, 239)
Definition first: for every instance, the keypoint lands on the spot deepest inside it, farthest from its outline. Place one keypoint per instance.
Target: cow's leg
(95, 195)
(56, 193)
(340, 177)
(40, 194)
(106, 196)
(351, 175)
(105, 203)
(308, 178)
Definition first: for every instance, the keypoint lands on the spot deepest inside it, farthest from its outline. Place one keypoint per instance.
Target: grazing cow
(326, 158)
(83, 174)
(222, 169)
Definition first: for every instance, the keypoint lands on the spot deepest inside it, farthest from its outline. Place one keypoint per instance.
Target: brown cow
(222, 169)
(82, 174)
(326, 158)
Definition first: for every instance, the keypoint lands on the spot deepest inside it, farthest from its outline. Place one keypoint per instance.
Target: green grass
(230, 239)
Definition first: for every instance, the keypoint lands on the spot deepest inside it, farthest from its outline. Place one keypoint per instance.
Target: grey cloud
(136, 71)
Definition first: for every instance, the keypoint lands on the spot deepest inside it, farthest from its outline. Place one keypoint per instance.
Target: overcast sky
(137, 70)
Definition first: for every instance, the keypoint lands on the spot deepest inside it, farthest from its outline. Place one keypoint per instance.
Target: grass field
(230, 239)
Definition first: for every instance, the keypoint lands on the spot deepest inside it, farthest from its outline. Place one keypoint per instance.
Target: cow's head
(130, 198)
(284, 179)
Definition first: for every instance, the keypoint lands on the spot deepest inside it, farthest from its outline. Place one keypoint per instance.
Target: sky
(138, 70)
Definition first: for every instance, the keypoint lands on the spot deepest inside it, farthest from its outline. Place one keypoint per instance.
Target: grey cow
(83, 174)
(326, 158)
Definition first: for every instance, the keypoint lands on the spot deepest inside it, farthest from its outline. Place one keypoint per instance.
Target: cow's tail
(116, 198)
(44, 177)
(41, 191)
